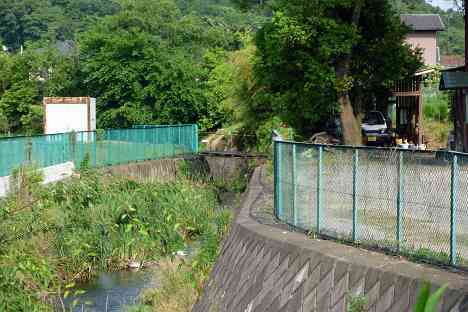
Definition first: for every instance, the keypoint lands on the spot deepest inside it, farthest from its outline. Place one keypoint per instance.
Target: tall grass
(73, 230)
(436, 107)
(437, 118)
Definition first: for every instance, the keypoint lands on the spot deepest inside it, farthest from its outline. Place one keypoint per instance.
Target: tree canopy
(31, 20)
(300, 50)
(246, 65)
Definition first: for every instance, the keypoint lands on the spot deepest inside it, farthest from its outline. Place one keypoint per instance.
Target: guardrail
(406, 202)
(101, 148)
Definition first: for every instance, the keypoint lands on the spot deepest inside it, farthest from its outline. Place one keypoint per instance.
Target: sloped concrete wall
(162, 170)
(266, 268)
(219, 168)
(51, 174)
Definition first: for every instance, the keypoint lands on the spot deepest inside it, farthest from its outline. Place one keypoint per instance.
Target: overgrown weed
(92, 223)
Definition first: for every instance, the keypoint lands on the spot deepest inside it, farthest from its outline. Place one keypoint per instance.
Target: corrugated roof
(452, 61)
(453, 80)
(423, 22)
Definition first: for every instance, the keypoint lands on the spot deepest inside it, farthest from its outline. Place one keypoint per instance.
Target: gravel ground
(425, 228)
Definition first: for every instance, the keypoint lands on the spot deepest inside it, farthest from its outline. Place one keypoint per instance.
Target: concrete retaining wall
(148, 171)
(51, 174)
(266, 268)
(220, 168)
(161, 170)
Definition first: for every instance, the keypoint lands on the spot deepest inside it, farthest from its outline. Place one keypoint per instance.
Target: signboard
(62, 115)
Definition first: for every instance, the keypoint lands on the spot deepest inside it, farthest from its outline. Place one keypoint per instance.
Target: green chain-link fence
(408, 202)
(102, 147)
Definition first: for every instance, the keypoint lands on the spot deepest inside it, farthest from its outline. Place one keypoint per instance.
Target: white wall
(51, 174)
(61, 118)
(427, 41)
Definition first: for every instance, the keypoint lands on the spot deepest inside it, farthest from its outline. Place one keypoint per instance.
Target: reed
(73, 230)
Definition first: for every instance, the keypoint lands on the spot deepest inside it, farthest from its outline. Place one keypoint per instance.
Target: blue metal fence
(101, 148)
(408, 202)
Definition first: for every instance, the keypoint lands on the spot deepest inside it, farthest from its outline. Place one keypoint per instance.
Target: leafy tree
(248, 4)
(26, 79)
(229, 87)
(315, 56)
(23, 21)
(145, 64)
(21, 106)
(4, 127)
(144, 60)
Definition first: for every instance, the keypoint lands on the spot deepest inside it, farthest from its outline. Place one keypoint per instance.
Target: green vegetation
(70, 231)
(181, 282)
(175, 294)
(31, 20)
(436, 114)
(436, 107)
(146, 61)
(247, 66)
(428, 302)
(357, 304)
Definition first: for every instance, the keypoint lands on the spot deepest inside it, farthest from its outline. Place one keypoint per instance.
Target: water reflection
(112, 291)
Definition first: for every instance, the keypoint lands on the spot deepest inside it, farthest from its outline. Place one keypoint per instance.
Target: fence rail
(102, 148)
(408, 202)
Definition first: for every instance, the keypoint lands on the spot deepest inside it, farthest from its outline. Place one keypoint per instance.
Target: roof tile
(423, 22)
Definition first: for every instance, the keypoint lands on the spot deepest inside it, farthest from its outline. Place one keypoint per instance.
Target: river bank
(54, 238)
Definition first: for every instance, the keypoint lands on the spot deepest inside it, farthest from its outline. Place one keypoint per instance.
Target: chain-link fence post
(29, 150)
(275, 175)
(179, 136)
(278, 191)
(195, 139)
(319, 187)
(94, 136)
(453, 210)
(355, 166)
(72, 147)
(400, 199)
(107, 139)
(294, 182)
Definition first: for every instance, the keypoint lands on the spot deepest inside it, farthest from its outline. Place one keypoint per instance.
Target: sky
(443, 4)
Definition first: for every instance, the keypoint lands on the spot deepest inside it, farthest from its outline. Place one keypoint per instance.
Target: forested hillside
(146, 61)
(246, 65)
(31, 20)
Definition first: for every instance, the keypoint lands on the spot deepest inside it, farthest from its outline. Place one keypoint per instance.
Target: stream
(117, 291)
(112, 292)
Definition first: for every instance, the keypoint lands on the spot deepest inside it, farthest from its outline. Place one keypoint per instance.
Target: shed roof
(423, 22)
(452, 61)
(452, 80)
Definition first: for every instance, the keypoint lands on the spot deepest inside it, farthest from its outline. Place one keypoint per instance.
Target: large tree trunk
(350, 126)
(349, 123)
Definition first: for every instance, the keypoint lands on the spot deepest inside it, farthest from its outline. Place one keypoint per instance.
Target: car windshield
(374, 118)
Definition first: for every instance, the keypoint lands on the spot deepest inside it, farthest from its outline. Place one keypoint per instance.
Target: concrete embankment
(264, 267)
(161, 170)
(51, 174)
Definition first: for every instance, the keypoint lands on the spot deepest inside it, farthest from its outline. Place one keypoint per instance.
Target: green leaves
(23, 21)
(145, 64)
(428, 302)
(301, 49)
